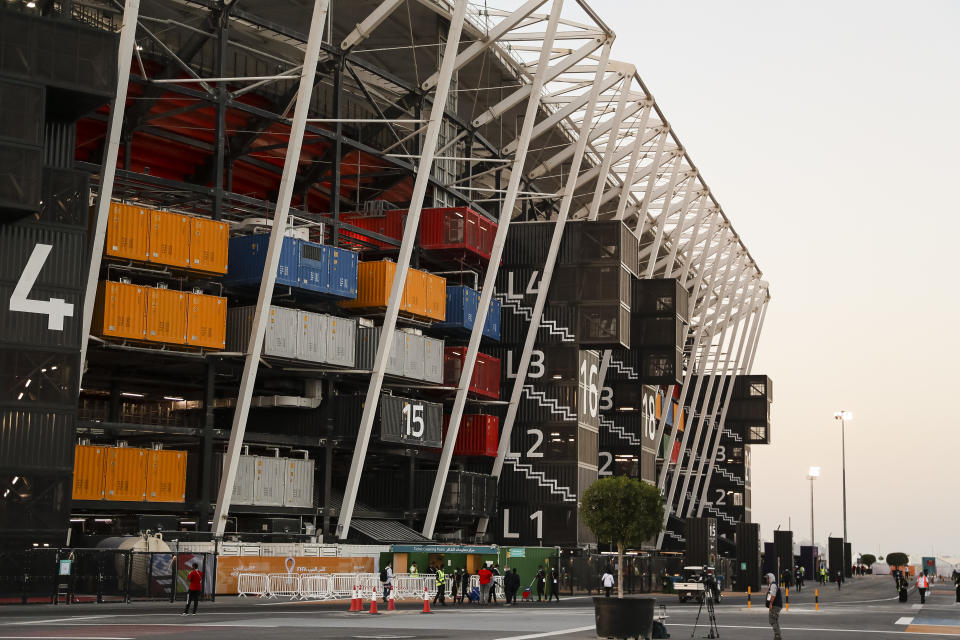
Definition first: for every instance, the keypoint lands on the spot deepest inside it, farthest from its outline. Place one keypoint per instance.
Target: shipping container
(209, 245)
(269, 481)
(604, 325)
(66, 196)
(465, 493)
(21, 178)
(701, 535)
(244, 479)
(168, 240)
(341, 341)
(457, 231)
(166, 475)
(461, 312)
(298, 483)
(662, 366)
(753, 386)
(22, 108)
(592, 284)
(389, 225)
(486, 372)
(248, 255)
(88, 472)
(658, 331)
(125, 478)
(63, 268)
(478, 435)
(341, 272)
(373, 292)
(547, 483)
(411, 422)
(127, 232)
(312, 343)
(206, 321)
(368, 340)
(20, 431)
(166, 316)
(414, 353)
(749, 410)
(659, 297)
(120, 311)
(748, 553)
(433, 360)
(783, 545)
(558, 325)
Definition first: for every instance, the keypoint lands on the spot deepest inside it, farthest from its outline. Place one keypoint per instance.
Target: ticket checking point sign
(65, 567)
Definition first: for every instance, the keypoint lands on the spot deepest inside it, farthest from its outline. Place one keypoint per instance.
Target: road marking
(901, 633)
(934, 629)
(62, 638)
(45, 621)
(904, 620)
(559, 632)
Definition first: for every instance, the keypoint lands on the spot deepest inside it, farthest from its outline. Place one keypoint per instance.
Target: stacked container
(120, 311)
(424, 294)
(88, 470)
(411, 355)
(129, 474)
(486, 372)
(462, 303)
(166, 475)
(479, 435)
(296, 334)
(658, 316)
(271, 481)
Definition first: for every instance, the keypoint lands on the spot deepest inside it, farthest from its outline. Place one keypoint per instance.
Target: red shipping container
(389, 225)
(457, 229)
(486, 372)
(478, 436)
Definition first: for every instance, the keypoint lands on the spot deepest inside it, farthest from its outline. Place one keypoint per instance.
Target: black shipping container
(548, 363)
(848, 559)
(657, 332)
(519, 285)
(549, 403)
(464, 494)
(604, 325)
(405, 421)
(592, 242)
(783, 544)
(624, 365)
(63, 266)
(662, 367)
(701, 535)
(558, 325)
(32, 378)
(538, 441)
(527, 244)
(752, 410)
(528, 524)
(753, 386)
(587, 447)
(591, 284)
(748, 553)
(21, 112)
(36, 441)
(835, 557)
(65, 198)
(537, 480)
(20, 179)
(37, 510)
(621, 431)
(660, 297)
(648, 466)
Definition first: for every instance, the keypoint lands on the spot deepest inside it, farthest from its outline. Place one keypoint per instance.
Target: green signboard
(517, 553)
(443, 548)
(65, 567)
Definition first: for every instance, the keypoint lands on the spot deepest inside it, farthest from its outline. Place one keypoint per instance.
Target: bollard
(816, 599)
(426, 601)
(373, 600)
(749, 603)
(355, 601)
(787, 601)
(391, 601)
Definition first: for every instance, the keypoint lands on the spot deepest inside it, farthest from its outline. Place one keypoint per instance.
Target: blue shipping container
(462, 303)
(304, 265)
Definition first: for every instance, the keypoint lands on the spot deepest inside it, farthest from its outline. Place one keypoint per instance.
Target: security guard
(414, 572)
(441, 579)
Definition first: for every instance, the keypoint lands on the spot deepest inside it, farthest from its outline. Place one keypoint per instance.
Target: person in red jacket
(195, 578)
(486, 577)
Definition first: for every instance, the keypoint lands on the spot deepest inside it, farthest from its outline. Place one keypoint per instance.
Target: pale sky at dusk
(829, 132)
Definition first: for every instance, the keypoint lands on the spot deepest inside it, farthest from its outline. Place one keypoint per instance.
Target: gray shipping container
(298, 483)
(341, 341)
(312, 344)
(269, 483)
(413, 356)
(280, 339)
(411, 422)
(433, 360)
(243, 481)
(368, 341)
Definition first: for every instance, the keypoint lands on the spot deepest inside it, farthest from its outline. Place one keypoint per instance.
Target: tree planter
(623, 618)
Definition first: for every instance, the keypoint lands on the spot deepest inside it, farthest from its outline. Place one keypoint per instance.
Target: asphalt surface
(865, 608)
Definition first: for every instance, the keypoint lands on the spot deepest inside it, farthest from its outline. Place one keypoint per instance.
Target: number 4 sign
(56, 309)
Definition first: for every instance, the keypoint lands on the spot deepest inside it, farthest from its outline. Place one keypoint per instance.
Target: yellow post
(749, 604)
(816, 599)
(787, 601)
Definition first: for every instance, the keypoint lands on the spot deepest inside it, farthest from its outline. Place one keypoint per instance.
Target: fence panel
(284, 584)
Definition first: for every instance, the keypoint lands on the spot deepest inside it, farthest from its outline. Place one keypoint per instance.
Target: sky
(829, 133)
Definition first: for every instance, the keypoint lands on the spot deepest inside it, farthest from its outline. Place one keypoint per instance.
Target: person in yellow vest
(441, 580)
(414, 572)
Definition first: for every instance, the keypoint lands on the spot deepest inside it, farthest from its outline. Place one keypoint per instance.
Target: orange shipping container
(88, 472)
(169, 239)
(166, 316)
(126, 474)
(127, 232)
(436, 297)
(209, 243)
(206, 321)
(120, 311)
(166, 475)
(376, 278)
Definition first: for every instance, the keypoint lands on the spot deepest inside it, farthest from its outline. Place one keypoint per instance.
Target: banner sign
(230, 567)
(442, 548)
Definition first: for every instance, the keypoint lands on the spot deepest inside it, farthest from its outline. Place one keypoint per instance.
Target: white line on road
(45, 621)
(61, 638)
(904, 620)
(903, 633)
(559, 632)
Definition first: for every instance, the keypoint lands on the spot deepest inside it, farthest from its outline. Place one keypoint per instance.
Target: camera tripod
(712, 631)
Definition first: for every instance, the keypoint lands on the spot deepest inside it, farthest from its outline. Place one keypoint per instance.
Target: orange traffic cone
(426, 602)
(373, 600)
(355, 604)
(391, 601)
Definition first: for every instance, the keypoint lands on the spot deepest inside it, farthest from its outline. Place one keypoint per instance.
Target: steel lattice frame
(591, 144)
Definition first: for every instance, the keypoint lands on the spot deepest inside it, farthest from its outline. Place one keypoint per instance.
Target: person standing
(386, 581)
(441, 580)
(495, 570)
(541, 580)
(414, 572)
(922, 585)
(774, 604)
(486, 577)
(839, 579)
(511, 583)
(554, 585)
(195, 578)
(799, 578)
(956, 583)
(607, 581)
(454, 583)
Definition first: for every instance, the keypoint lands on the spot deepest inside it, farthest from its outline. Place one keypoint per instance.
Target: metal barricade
(498, 591)
(368, 582)
(316, 586)
(252, 584)
(343, 584)
(408, 587)
(430, 582)
(284, 584)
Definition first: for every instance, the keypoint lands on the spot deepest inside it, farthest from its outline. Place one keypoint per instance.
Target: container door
(411, 422)
(121, 311)
(298, 490)
(206, 321)
(269, 482)
(395, 361)
(243, 484)
(341, 341)
(433, 360)
(312, 344)
(436, 297)
(88, 471)
(127, 230)
(413, 356)
(314, 272)
(126, 474)
(169, 239)
(209, 245)
(283, 330)
(166, 316)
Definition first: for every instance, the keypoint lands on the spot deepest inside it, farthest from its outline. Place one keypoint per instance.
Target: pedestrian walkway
(941, 613)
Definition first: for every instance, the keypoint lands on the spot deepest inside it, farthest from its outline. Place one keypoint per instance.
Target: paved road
(865, 608)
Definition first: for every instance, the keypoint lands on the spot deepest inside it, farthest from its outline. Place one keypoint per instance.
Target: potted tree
(625, 512)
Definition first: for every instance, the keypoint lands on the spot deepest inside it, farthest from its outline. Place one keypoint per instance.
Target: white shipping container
(312, 345)
(269, 483)
(413, 356)
(283, 330)
(433, 360)
(243, 481)
(298, 488)
(341, 341)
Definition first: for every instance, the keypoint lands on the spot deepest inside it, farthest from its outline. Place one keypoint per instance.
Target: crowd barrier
(317, 586)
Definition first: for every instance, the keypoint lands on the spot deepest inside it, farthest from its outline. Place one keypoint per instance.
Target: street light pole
(843, 416)
(813, 475)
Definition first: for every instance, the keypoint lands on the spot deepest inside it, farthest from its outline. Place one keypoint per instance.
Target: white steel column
(664, 214)
(651, 182)
(745, 338)
(625, 189)
(609, 153)
(722, 325)
(125, 51)
(251, 361)
(403, 263)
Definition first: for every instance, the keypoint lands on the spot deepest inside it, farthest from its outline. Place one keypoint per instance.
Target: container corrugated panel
(436, 297)
(239, 328)
(433, 360)
(374, 285)
(169, 239)
(166, 316)
(88, 472)
(244, 480)
(414, 356)
(209, 245)
(478, 435)
(415, 293)
(166, 475)
(546, 402)
(486, 372)
(604, 324)
(206, 321)
(270, 478)
(561, 477)
(368, 341)
(527, 243)
(410, 422)
(283, 332)
(298, 483)
(121, 311)
(312, 344)
(491, 327)
(665, 331)
(127, 232)
(125, 478)
(21, 430)
(341, 272)
(313, 268)
(462, 304)
(248, 255)
(341, 341)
